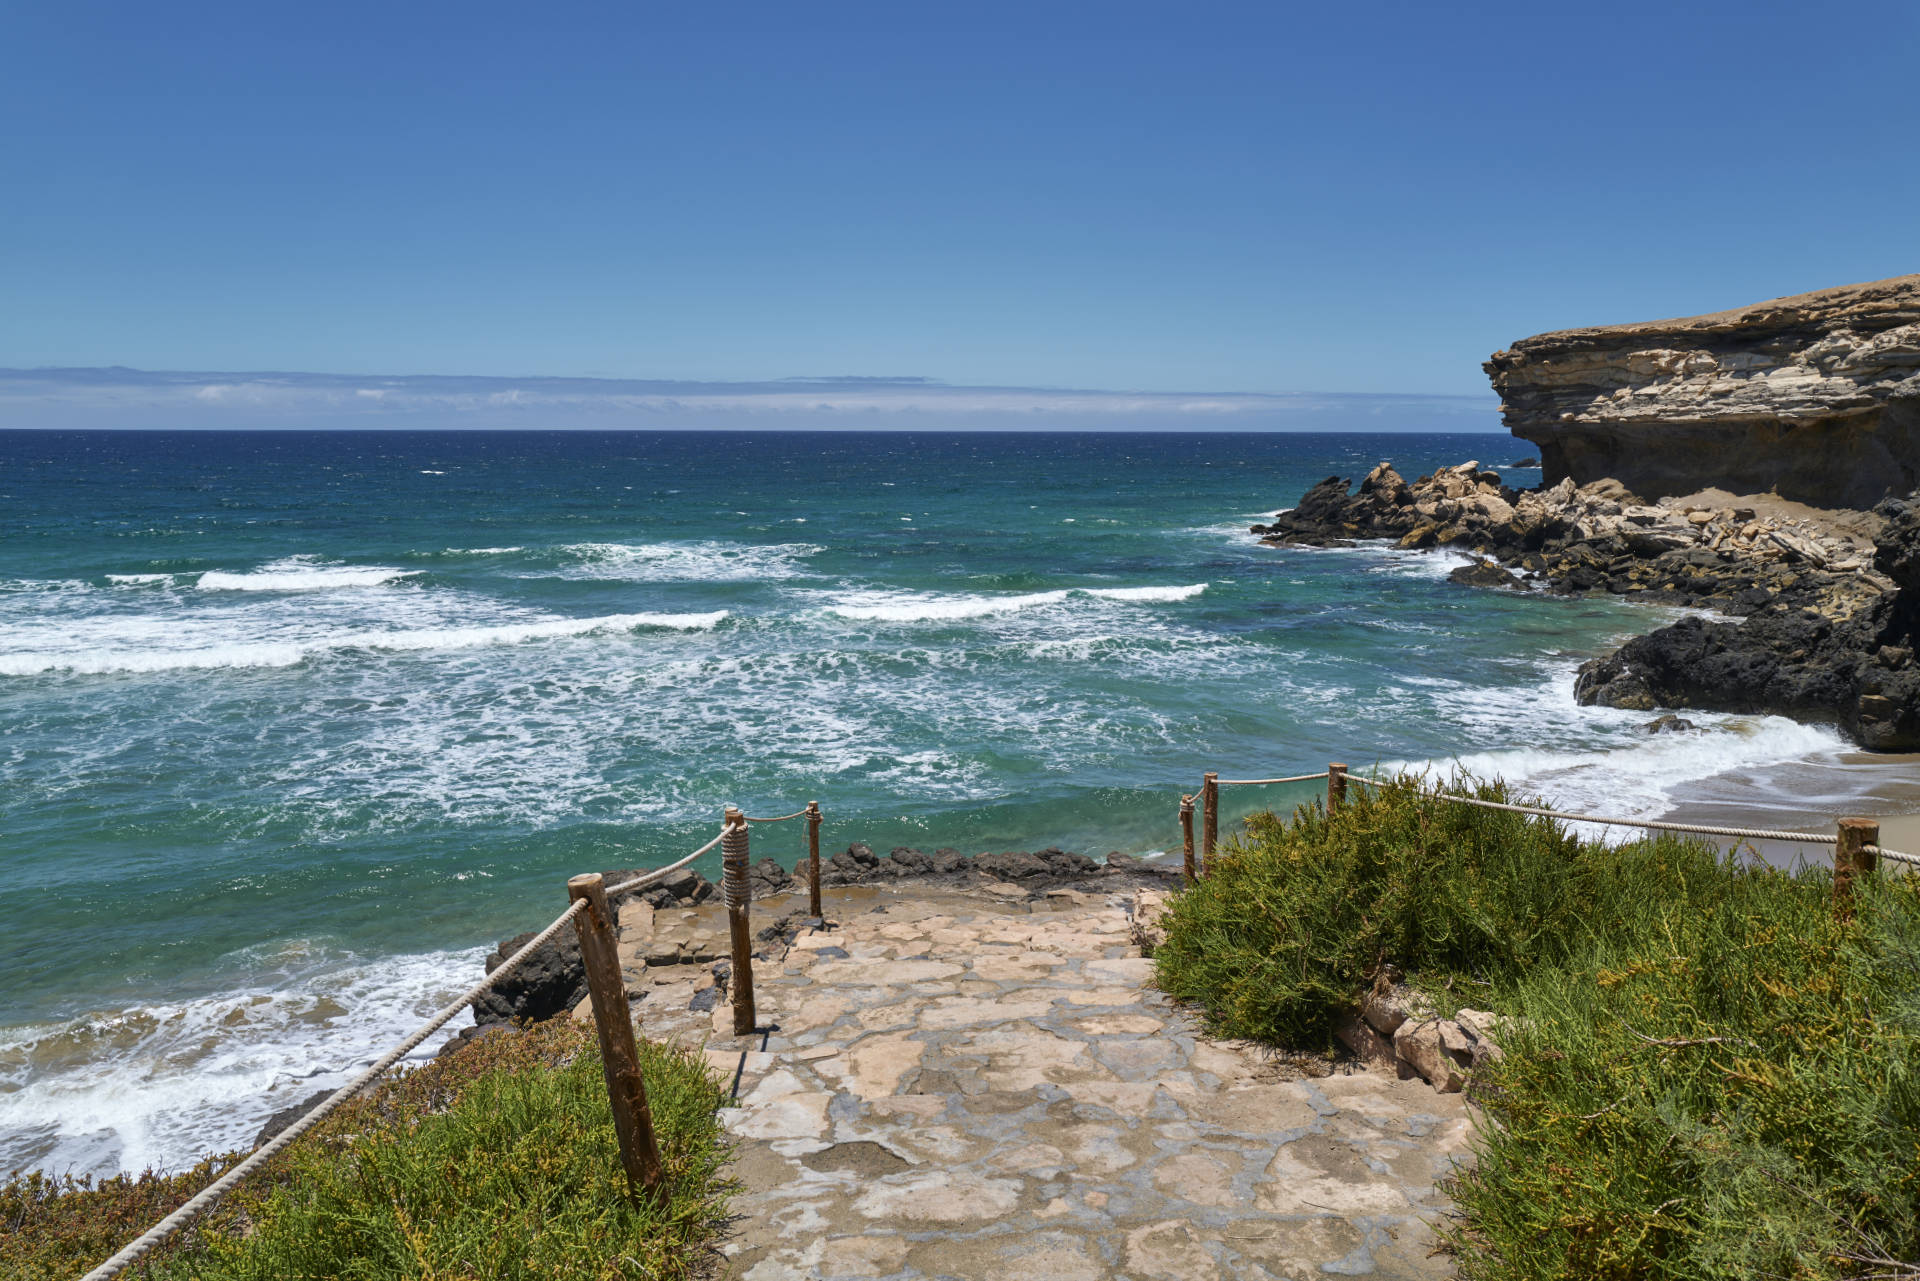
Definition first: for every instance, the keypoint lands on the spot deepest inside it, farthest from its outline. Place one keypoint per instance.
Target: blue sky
(1190, 198)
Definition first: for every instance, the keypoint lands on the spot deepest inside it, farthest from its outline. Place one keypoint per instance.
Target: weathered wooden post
(1209, 819)
(619, 1055)
(1186, 838)
(1336, 786)
(739, 893)
(813, 861)
(1852, 859)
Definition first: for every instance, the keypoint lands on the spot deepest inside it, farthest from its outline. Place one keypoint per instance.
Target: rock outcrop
(1815, 397)
(1832, 620)
(1598, 537)
(1856, 667)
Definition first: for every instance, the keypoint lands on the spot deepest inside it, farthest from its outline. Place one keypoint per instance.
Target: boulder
(1436, 1049)
(1386, 1008)
(1484, 573)
(1011, 866)
(1367, 1044)
(548, 983)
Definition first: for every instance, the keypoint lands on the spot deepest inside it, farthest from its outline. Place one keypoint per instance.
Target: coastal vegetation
(1707, 1071)
(494, 1162)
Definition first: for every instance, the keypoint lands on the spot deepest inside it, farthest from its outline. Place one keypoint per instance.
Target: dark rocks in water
(286, 1116)
(1830, 630)
(1011, 865)
(1485, 573)
(553, 980)
(1668, 724)
(1782, 659)
(1525, 462)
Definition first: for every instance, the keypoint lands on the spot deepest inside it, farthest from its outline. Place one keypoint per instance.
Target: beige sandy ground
(986, 1084)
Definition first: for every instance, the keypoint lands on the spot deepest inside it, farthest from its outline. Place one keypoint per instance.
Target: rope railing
(1261, 782)
(648, 878)
(1856, 844)
(800, 813)
(591, 915)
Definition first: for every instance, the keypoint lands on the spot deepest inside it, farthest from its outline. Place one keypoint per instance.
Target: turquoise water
(294, 722)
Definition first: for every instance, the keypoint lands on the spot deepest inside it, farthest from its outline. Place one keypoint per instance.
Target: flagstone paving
(981, 1084)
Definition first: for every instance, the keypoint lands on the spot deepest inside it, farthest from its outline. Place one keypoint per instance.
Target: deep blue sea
(293, 725)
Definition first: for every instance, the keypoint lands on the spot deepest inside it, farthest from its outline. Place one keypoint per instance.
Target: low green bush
(498, 1162)
(1708, 1073)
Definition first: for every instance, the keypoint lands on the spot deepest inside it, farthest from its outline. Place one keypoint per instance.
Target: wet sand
(1812, 796)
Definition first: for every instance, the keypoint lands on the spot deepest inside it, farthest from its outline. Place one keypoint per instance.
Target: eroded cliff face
(1815, 397)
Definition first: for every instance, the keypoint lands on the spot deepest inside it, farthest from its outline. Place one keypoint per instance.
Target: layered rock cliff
(1815, 397)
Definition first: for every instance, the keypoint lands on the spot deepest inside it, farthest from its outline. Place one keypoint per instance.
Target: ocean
(295, 724)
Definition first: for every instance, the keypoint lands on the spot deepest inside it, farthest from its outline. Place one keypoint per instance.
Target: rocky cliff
(1815, 397)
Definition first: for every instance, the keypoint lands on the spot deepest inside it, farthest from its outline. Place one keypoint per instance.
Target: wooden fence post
(813, 861)
(1186, 838)
(1851, 859)
(1336, 786)
(1209, 819)
(619, 1055)
(739, 893)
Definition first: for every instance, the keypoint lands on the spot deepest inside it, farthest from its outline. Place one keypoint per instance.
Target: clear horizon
(1234, 198)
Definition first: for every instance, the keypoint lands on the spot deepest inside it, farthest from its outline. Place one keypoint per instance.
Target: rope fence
(1856, 843)
(591, 915)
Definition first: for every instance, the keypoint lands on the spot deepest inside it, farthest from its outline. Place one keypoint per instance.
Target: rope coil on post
(734, 860)
(738, 892)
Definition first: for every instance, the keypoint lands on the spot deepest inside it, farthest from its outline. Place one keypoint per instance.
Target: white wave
(302, 574)
(922, 607)
(161, 1085)
(1148, 593)
(705, 561)
(139, 580)
(481, 551)
(1623, 772)
(287, 653)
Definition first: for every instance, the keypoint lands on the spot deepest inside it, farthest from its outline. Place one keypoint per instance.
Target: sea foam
(926, 607)
(701, 560)
(302, 574)
(244, 654)
(158, 1085)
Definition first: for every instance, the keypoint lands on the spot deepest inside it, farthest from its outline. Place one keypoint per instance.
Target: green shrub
(499, 1162)
(1708, 1074)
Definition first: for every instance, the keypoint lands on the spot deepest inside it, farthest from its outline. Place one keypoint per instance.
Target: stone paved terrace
(983, 1083)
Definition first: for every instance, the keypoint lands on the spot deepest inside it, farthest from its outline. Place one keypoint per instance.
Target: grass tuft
(498, 1162)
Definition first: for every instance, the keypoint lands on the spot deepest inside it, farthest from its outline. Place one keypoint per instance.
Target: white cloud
(134, 398)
